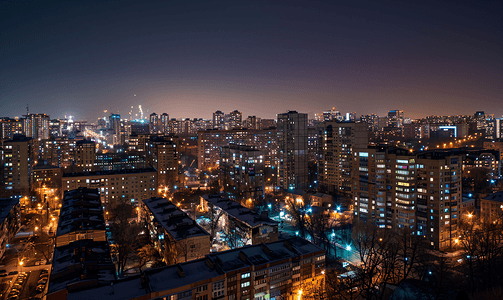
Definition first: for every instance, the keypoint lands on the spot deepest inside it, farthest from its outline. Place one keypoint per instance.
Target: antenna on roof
(27, 110)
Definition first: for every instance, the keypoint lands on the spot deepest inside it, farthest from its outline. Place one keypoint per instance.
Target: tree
(124, 234)
(44, 245)
(173, 250)
(214, 215)
(146, 254)
(297, 208)
(235, 236)
(482, 241)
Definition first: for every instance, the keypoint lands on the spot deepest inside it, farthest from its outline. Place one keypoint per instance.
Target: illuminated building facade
(175, 235)
(123, 186)
(242, 170)
(292, 151)
(337, 141)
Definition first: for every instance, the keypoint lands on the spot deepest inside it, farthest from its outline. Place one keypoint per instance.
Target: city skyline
(263, 59)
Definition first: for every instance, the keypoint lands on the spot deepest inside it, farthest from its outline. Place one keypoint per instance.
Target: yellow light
(456, 241)
(21, 263)
(470, 215)
(36, 227)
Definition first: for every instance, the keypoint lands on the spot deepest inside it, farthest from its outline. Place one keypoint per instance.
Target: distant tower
(292, 144)
(235, 119)
(218, 120)
(154, 123)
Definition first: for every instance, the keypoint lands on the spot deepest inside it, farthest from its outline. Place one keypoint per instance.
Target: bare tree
(124, 234)
(146, 254)
(235, 236)
(44, 245)
(174, 250)
(214, 216)
(298, 208)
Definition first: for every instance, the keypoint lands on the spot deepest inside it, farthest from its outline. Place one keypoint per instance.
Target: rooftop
(239, 212)
(6, 205)
(113, 172)
(81, 264)
(498, 196)
(81, 210)
(173, 220)
(192, 272)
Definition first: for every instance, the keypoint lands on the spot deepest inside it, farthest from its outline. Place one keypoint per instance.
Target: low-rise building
(81, 217)
(491, 207)
(176, 236)
(79, 265)
(9, 221)
(254, 228)
(277, 270)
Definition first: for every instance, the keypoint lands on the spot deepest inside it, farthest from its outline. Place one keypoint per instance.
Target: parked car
(13, 273)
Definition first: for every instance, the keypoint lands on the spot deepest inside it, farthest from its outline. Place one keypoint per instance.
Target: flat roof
(176, 222)
(498, 196)
(112, 172)
(6, 205)
(81, 210)
(174, 276)
(239, 212)
(70, 263)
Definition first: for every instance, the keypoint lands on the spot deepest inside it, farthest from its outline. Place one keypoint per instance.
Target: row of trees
(387, 258)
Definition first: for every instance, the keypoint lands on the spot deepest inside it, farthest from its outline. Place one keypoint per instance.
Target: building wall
(17, 165)
(95, 235)
(491, 211)
(10, 225)
(292, 151)
(126, 187)
(337, 143)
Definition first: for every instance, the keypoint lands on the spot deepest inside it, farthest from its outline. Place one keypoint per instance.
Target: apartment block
(81, 217)
(394, 188)
(252, 227)
(10, 221)
(242, 170)
(491, 207)
(123, 186)
(175, 235)
(17, 165)
(292, 151)
(276, 270)
(210, 143)
(338, 141)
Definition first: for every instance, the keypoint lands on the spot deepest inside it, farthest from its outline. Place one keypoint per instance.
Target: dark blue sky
(189, 58)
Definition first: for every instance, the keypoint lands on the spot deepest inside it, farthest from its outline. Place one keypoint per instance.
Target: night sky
(190, 58)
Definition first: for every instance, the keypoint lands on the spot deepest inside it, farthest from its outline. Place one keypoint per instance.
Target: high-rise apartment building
(439, 189)
(162, 155)
(154, 124)
(242, 170)
(235, 119)
(210, 143)
(85, 155)
(394, 189)
(36, 126)
(164, 123)
(337, 141)
(17, 165)
(292, 151)
(395, 118)
(218, 120)
(251, 122)
(10, 127)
